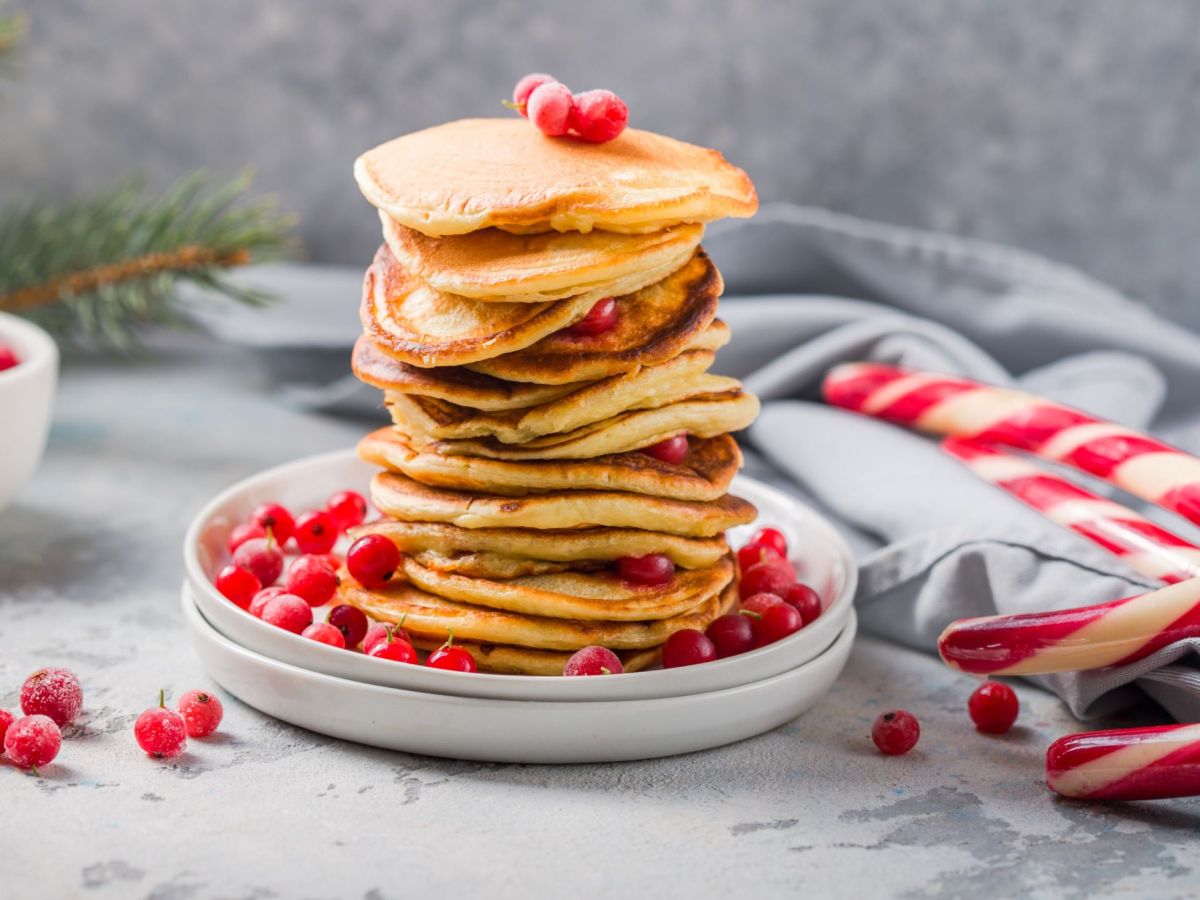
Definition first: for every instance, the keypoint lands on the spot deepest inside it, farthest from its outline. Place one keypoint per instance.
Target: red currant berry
(54, 693)
(527, 86)
(32, 742)
(8, 359)
(753, 554)
(601, 317)
(160, 732)
(593, 661)
(777, 623)
(243, 533)
(993, 707)
(262, 598)
(772, 577)
(311, 579)
(347, 509)
(451, 658)
(202, 713)
(262, 558)
(351, 622)
(687, 648)
(238, 585)
(316, 532)
(805, 599)
(598, 116)
(895, 732)
(549, 108)
(275, 519)
(773, 538)
(6, 719)
(378, 634)
(760, 603)
(324, 633)
(394, 648)
(335, 562)
(673, 450)
(653, 568)
(731, 634)
(372, 560)
(289, 612)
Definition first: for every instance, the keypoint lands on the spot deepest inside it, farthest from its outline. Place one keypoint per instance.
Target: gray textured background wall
(1064, 126)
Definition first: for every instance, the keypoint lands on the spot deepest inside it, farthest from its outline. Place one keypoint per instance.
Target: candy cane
(958, 407)
(1143, 546)
(1126, 764)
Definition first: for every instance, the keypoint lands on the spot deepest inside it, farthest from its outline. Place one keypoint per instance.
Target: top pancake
(478, 173)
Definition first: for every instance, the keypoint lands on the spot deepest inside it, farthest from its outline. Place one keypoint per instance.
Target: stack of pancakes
(513, 474)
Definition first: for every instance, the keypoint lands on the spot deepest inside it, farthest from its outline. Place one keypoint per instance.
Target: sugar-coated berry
(549, 108)
(8, 358)
(262, 598)
(805, 599)
(312, 579)
(372, 560)
(653, 568)
(773, 538)
(526, 86)
(316, 532)
(895, 732)
(324, 633)
(160, 732)
(54, 693)
(6, 719)
(275, 519)
(451, 658)
(351, 622)
(759, 603)
(777, 623)
(378, 634)
(32, 741)
(993, 707)
(202, 713)
(593, 661)
(289, 612)
(237, 585)
(245, 532)
(395, 648)
(262, 558)
(687, 648)
(772, 577)
(731, 634)
(601, 317)
(673, 450)
(347, 509)
(598, 116)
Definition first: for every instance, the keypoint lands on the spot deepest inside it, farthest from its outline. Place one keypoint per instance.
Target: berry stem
(162, 697)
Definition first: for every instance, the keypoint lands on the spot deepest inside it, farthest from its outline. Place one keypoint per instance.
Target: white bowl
(26, 402)
(823, 560)
(522, 731)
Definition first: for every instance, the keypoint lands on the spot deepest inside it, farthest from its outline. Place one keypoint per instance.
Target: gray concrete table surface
(89, 575)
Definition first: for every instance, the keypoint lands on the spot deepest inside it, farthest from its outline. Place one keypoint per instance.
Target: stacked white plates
(512, 718)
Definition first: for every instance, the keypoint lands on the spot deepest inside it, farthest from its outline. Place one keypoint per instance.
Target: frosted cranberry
(598, 116)
(289, 612)
(372, 560)
(347, 509)
(6, 719)
(8, 358)
(276, 519)
(805, 599)
(312, 579)
(601, 317)
(526, 86)
(549, 108)
(993, 707)
(772, 577)
(324, 633)
(262, 558)
(777, 623)
(160, 732)
(687, 648)
(895, 732)
(673, 450)
(351, 622)
(202, 713)
(451, 658)
(32, 741)
(759, 603)
(242, 533)
(54, 693)
(237, 585)
(262, 598)
(378, 634)
(316, 532)
(773, 538)
(651, 569)
(731, 634)
(593, 661)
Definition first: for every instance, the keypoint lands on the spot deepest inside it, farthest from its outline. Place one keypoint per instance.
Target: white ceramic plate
(524, 731)
(821, 556)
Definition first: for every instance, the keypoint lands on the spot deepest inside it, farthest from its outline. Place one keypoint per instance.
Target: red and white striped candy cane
(958, 407)
(1143, 545)
(1126, 764)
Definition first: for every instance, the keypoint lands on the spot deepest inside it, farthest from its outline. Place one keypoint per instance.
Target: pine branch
(97, 270)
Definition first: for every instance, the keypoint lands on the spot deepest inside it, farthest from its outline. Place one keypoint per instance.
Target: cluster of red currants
(595, 116)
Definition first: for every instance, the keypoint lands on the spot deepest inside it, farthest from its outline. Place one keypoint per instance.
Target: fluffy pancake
(562, 546)
(431, 618)
(705, 474)
(419, 325)
(496, 265)
(585, 595)
(401, 498)
(500, 659)
(653, 325)
(493, 565)
(476, 173)
(705, 416)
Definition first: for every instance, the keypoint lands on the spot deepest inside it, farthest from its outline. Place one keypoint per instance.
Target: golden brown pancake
(705, 474)
(494, 565)
(500, 659)
(401, 498)
(477, 173)
(496, 265)
(653, 325)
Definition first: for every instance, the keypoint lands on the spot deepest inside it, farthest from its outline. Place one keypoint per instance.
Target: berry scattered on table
(32, 742)
(372, 560)
(316, 532)
(993, 707)
(347, 509)
(160, 731)
(262, 598)
(806, 601)
(651, 569)
(262, 558)
(451, 658)
(202, 713)
(238, 585)
(776, 623)
(593, 661)
(6, 719)
(324, 633)
(731, 634)
(8, 357)
(687, 648)
(598, 116)
(549, 108)
(895, 732)
(601, 317)
(276, 519)
(312, 579)
(54, 693)
(673, 450)
(352, 623)
(289, 612)
(395, 648)
(245, 532)
(526, 86)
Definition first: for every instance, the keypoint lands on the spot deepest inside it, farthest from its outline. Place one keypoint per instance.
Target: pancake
(430, 618)
(653, 325)
(500, 659)
(705, 416)
(564, 546)
(705, 474)
(416, 324)
(493, 565)
(648, 387)
(477, 173)
(405, 500)
(597, 595)
(496, 265)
